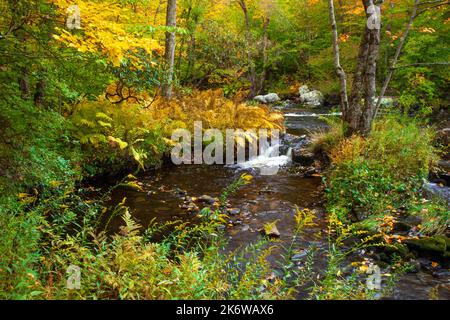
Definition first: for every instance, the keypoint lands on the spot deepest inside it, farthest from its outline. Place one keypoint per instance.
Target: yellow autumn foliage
(142, 132)
(214, 111)
(210, 107)
(109, 28)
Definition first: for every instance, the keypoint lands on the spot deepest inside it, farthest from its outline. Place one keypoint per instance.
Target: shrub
(383, 170)
(116, 135)
(44, 237)
(36, 147)
(323, 142)
(19, 250)
(131, 267)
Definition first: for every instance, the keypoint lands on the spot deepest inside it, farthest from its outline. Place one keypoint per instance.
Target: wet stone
(233, 211)
(442, 274)
(206, 199)
(237, 222)
(273, 232)
(300, 255)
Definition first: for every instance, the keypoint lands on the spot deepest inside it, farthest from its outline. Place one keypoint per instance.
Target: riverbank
(277, 231)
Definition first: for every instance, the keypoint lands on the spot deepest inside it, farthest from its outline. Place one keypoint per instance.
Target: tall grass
(40, 244)
(375, 176)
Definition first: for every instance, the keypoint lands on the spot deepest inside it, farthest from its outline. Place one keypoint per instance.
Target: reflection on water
(266, 199)
(299, 122)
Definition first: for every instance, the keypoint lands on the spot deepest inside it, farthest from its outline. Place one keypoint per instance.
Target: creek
(266, 199)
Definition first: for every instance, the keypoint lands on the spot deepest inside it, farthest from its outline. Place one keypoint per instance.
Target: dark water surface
(266, 199)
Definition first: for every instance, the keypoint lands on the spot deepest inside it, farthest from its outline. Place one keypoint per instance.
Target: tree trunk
(39, 94)
(248, 39)
(171, 21)
(368, 112)
(24, 83)
(362, 106)
(339, 70)
(359, 115)
(265, 43)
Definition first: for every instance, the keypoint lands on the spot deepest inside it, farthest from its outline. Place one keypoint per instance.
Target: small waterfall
(289, 154)
(268, 162)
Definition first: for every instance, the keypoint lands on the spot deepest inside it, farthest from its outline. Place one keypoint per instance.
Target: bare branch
(423, 64)
(438, 4)
(397, 55)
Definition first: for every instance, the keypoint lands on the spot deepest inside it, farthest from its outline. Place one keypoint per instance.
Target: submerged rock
(442, 274)
(233, 211)
(179, 192)
(300, 150)
(190, 207)
(303, 157)
(238, 222)
(293, 141)
(272, 231)
(206, 199)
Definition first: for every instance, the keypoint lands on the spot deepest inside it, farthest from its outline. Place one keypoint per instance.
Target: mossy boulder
(437, 244)
(398, 249)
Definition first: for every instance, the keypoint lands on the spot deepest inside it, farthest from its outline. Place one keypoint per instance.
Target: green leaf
(122, 144)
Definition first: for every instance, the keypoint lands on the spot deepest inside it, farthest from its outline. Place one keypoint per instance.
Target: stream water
(266, 199)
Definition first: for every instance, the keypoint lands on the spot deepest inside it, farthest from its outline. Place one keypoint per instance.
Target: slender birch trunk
(358, 110)
(337, 62)
(171, 21)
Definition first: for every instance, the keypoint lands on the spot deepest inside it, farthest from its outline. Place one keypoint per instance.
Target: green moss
(438, 244)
